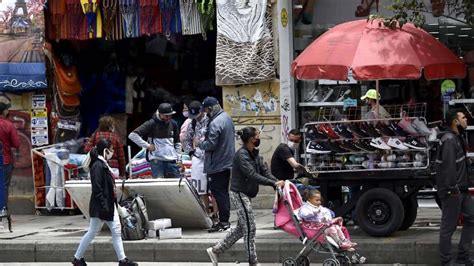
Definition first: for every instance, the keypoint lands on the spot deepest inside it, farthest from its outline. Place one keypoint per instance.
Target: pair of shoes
(127, 262)
(79, 262)
(379, 144)
(396, 143)
(219, 227)
(414, 144)
(212, 256)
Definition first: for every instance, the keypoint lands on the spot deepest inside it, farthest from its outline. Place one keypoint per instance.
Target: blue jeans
(95, 225)
(7, 177)
(167, 169)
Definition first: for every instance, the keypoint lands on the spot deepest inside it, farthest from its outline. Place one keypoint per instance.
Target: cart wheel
(411, 210)
(343, 260)
(289, 262)
(38, 212)
(379, 212)
(331, 262)
(302, 261)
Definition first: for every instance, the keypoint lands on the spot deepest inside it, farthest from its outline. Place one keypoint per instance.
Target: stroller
(288, 201)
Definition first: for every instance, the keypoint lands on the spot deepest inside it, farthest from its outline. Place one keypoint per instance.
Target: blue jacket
(219, 144)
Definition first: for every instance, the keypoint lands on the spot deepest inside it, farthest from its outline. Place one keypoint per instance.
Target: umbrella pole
(377, 97)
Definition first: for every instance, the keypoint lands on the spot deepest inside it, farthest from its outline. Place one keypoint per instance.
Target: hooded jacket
(164, 135)
(451, 172)
(219, 143)
(248, 171)
(101, 204)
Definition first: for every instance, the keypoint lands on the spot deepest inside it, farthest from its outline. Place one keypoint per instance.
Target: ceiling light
(463, 35)
(449, 34)
(433, 24)
(450, 26)
(466, 28)
(434, 32)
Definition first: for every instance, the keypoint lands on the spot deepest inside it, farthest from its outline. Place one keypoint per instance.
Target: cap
(166, 109)
(371, 94)
(194, 109)
(209, 101)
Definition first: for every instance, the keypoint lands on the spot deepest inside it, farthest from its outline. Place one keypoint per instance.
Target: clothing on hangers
(150, 17)
(131, 18)
(171, 18)
(94, 19)
(190, 18)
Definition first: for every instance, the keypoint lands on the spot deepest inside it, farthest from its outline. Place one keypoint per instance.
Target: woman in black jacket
(102, 205)
(248, 172)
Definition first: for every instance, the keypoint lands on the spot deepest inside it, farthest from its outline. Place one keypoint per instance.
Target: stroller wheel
(331, 262)
(343, 260)
(289, 262)
(302, 261)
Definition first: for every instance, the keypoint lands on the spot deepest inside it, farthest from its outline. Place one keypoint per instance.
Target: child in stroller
(287, 204)
(315, 217)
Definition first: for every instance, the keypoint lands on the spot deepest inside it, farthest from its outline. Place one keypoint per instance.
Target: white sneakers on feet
(396, 143)
(212, 256)
(379, 144)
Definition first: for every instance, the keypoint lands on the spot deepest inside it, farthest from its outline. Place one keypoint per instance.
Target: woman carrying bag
(102, 205)
(248, 172)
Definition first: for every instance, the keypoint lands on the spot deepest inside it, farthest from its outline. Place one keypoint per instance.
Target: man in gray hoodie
(219, 147)
(160, 137)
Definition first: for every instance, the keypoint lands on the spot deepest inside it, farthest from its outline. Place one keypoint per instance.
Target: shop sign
(349, 102)
(39, 137)
(38, 101)
(39, 120)
(284, 17)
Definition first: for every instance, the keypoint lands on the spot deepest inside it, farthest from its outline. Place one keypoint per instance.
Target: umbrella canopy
(375, 52)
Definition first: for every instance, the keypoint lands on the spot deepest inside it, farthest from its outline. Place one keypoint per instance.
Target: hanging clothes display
(190, 18)
(94, 20)
(207, 10)
(57, 13)
(75, 21)
(131, 18)
(112, 20)
(150, 17)
(171, 18)
(244, 52)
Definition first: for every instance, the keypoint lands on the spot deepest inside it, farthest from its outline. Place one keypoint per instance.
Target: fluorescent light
(450, 26)
(434, 32)
(449, 34)
(466, 28)
(463, 35)
(437, 38)
(433, 24)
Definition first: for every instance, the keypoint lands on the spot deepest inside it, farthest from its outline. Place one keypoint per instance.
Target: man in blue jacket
(219, 147)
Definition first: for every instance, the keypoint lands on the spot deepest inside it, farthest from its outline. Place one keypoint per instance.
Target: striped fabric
(150, 17)
(93, 17)
(112, 20)
(76, 22)
(190, 18)
(171, 18)
(131, 18)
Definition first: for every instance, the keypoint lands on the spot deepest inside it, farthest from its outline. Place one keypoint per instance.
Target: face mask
(292, 145)
(108, 154)
(186, 114)
(257, 142)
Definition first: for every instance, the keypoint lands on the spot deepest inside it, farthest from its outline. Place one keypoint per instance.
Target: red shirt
(118, 159)
(9, 138)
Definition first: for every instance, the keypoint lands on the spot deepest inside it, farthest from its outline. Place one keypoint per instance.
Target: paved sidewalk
(55, 238)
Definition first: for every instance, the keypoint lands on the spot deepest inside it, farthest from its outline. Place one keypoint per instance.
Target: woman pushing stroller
(315, 217)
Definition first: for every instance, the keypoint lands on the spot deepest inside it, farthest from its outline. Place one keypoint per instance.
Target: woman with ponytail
(248, 172)
(102, 205)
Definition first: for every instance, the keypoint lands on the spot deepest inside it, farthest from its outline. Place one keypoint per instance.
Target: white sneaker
(379, 144)
(389, 158)
(421, 127)
(212, 256)
(386, 165)
(433, 136)
(326, 96)
(418, 164)
(396, 143)
(420, 156)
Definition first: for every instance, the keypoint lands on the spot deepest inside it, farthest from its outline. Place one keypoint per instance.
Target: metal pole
(129, 162)
(377, 97)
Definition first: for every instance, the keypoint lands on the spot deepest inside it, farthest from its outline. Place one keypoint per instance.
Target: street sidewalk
(55, 238)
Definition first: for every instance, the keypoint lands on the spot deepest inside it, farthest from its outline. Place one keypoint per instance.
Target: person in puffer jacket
(160, 136)
(248, 172)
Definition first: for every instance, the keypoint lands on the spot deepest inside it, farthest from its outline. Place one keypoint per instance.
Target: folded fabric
(141, 167)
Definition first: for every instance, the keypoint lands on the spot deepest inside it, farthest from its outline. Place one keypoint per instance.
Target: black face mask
(257, 142)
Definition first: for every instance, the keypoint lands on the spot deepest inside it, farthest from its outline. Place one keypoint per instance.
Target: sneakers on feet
(79, 262)
(127, 262)
(219, 227)
(212, 256)
(396, 143)
(379, 144)
(414, 144)
(314, 147)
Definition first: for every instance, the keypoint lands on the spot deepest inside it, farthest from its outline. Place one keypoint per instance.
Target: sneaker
(368, 164)
(347, 145)
(357, 159)
(420, 156)
(219, 227)
(396, 143)
(386, 165)
(333, 146)
(389, 158)
(343, 94)
(355, 130)
(418, 164)
(407, 126)
(421, 127)
(312, 96)
(414, 144)
(316, 148)
(80, 262)
(127, 262)
(314, 134)
(379, 144)
(384, 130)
(342, 131)
(328, 131)
(326, 95)
(369, 130)
(212, 256)
(404, 164)
(365, 146)
(397, 129)
(433, 135)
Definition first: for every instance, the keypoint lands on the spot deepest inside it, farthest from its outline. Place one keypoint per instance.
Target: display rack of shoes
(356, 144)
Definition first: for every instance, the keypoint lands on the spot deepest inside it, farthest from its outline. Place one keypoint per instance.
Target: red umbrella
(375, 52)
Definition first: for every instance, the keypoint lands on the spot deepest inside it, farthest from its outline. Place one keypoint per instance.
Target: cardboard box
(159, 224)
(170, 233)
